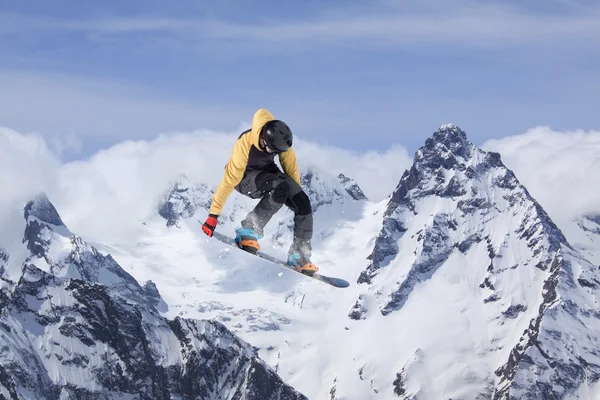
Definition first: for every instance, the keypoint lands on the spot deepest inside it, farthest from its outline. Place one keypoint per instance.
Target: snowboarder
(252, 171)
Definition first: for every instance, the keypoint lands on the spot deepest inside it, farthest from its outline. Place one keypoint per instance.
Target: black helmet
(277, 136)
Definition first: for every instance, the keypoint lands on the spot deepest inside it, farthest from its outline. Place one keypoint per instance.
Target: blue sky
(358, 75)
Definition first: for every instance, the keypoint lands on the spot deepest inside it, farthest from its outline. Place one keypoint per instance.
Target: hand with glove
(211, 223)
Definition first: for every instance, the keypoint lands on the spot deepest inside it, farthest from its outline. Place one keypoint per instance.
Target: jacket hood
(261, 117)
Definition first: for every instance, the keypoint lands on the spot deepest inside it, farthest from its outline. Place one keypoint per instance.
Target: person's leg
(273, 189)
(301, 248)
(299, 203)
(277, 189)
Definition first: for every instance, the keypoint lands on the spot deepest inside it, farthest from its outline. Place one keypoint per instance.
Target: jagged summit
(449, 167)
(460, 222)
(183, 199)
(41, 208)
(443, 148)
(450, 130)
(323, 188)
(352, 187)
(450, 134)
(41, 217)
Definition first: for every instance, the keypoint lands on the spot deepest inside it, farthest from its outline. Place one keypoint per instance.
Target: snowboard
(335, 282)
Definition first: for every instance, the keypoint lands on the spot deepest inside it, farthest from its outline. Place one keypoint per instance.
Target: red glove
(211, 223)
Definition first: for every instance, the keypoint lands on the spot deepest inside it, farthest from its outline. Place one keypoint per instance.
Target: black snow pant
(275, 189)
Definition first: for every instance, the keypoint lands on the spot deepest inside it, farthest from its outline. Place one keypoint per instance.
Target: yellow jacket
(235, 168)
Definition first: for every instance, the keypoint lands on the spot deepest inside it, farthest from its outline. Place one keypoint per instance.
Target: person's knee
(302, 203)
(281, 192)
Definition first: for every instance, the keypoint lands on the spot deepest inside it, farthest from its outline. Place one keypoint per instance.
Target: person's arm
(234, 172)
(289, 164)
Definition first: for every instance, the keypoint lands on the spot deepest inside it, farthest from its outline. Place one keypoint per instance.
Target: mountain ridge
(465, 287)
(77, 325)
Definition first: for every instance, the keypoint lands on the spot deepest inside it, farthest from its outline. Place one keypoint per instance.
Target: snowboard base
(335, 282)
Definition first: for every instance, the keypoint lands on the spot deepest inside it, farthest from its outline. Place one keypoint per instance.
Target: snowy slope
(275, 310)
(496, 301)
(584, 234)
(460, 278)
(74, 324)
(462, 286)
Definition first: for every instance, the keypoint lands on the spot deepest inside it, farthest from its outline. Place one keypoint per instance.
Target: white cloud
(377, 173)
(117, 188)
(122, 185)
(27, 167)
(560, 169)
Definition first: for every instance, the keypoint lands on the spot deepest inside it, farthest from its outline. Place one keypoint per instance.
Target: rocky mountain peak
(447, 148)
(42, 221)
(41, 208)
(352, 187)
(323, 188)
(460, 215)
(450, 134)
(184, 199)
(473, 183)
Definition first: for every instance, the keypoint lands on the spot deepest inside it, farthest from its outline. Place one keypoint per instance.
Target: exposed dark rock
(184, 200)
(151, 292)
(358, 310)
(493, 298)
(333, 390)
(469, 206)
(513, 311)
(466, 244)
(507, 181)
(385, 249)
(42, 209)
(487, 283)
(493, 159)
(454, 188)
(399, 389)
(352, 187)
(410, 180)
(35, 243)
(435, 252)
(585, 283)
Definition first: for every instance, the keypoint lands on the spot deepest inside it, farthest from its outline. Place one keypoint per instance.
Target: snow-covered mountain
(462, 287)
(465, 288)
(185, 198)
(74, 324)
(322, 189)
(502, 305)
(340, 194)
